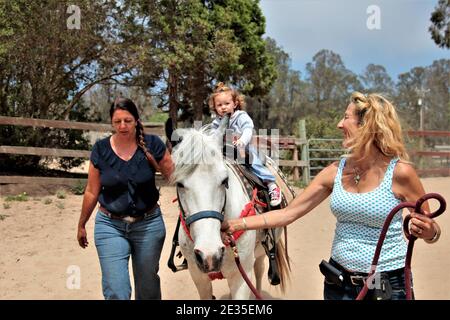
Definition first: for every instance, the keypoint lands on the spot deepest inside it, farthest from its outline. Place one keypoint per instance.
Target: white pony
(209, 191)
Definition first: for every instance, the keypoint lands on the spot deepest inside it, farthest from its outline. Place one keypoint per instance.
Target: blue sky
(303, 27)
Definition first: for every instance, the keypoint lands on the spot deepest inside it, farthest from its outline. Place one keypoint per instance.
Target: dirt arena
(40, 254)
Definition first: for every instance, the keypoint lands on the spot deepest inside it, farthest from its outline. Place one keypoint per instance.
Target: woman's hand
(226, 238)
(226, 232)
(82, 237)
(226, 227)
(422, 226)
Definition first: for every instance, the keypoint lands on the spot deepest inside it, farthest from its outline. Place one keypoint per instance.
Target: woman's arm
(407, 186)
(89, 202)
(166, 165)
(318, 190)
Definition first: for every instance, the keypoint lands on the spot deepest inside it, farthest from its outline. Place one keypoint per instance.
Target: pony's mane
(197, 147)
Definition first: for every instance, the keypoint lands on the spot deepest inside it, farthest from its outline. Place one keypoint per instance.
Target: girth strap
(270, 246)
(204, 214)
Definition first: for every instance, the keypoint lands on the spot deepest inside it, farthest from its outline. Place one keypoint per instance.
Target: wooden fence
(284, 143)
(433, 159)
(298, 148)
(154, 128)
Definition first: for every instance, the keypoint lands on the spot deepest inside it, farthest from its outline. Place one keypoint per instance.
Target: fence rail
(46, 152)
(427, 133)
(302, 150)
(149, 127)
(283, 143)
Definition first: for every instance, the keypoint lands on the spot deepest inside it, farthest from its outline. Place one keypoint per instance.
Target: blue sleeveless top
(360, 218)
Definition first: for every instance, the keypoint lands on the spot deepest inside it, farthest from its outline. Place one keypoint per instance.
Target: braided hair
(128, 105)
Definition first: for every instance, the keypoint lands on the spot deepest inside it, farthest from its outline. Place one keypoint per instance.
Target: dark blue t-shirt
(127, 187)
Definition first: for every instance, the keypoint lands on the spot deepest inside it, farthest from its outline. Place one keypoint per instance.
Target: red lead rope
(418, 209)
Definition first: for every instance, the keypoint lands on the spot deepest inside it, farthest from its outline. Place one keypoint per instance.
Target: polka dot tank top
(360, 218)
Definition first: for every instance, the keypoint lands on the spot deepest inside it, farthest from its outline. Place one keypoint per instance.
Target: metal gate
(321, 153)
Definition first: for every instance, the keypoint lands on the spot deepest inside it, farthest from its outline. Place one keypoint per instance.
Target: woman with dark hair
(128, 222)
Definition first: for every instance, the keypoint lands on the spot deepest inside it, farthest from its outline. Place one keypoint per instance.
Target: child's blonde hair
(238, 98)
(378, 125)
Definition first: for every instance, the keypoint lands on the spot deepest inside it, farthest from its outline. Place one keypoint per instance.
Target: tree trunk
(173, 104)
(199, 93)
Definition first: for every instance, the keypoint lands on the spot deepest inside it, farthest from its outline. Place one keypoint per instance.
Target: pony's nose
(199, 256)
(217, 259)
(209, 263)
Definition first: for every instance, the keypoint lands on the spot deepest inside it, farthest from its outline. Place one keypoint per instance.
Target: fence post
(304, 147)
(295, 158)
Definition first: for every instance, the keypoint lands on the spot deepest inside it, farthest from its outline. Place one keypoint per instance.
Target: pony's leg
(238, 287)
(260, 255)
(201, 281)
(259, 271)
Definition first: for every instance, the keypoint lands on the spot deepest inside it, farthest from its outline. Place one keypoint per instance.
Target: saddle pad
(281, 180)
(287, 192)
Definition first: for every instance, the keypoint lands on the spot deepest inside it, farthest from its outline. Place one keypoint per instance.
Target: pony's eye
(225, 182)
(180, 185)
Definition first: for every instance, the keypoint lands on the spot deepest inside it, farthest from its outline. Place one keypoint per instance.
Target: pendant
(357, 178)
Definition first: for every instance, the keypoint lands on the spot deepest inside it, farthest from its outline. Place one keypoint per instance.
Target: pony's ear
(173, 135)
(177, 136)
(169, 128)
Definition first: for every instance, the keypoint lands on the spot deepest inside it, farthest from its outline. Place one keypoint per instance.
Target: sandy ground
(40, 255)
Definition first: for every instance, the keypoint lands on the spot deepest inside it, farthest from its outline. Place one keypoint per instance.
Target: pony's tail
(284, 267)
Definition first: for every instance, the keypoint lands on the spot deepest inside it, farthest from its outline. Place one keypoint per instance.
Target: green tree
(283, 104)
(201, 42)
(431, 85)
(375, 79)
(438, 97)
(45, 68)
(440, 27)
(409, 87)
(330, 84)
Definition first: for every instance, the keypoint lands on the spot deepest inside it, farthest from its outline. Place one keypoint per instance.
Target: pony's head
(201, 179)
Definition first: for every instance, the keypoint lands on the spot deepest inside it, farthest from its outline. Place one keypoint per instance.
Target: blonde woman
(364, 187)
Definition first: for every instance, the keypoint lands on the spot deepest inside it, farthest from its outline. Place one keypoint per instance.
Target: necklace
(357, 176)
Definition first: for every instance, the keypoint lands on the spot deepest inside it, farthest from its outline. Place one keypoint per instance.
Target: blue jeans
(350, 292)
(116, 240)
(259, 169)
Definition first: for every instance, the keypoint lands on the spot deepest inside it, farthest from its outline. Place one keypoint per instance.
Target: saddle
(240, 163)
(250, 181)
